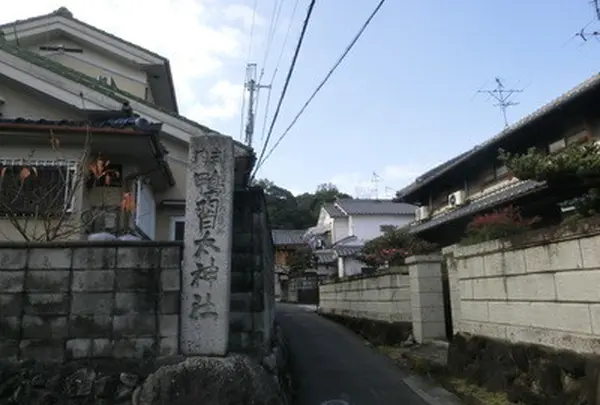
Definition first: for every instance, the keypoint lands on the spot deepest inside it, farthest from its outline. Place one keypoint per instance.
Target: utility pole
(502, 96)
(253, 88)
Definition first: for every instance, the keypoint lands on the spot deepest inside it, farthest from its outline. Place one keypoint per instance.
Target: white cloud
(223, 102)
(243, 13)
(391, 179)
(199, 37)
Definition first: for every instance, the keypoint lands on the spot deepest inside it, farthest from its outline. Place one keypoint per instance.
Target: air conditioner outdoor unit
(423, 213)
(457, 198)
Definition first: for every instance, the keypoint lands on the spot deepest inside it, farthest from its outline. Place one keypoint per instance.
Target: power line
(320, 86)
(247, 61)
(503, 97)
(288, 78)
(272, 28)
(285, 40)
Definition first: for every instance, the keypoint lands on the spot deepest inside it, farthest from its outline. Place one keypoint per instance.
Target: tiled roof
(333, 211)
(124, 126)
(288, 237)
(344, 251)
(517, 190)
(325, 256)
(591, 84)
(64, 12)
(133, 124)
(374, 207)
(90, 82)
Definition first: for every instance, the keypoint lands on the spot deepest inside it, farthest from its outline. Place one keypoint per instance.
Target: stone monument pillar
(205, 289)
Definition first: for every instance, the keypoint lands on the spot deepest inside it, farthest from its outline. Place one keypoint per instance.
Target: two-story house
(61, 76)
(450, 195)
(345, 225)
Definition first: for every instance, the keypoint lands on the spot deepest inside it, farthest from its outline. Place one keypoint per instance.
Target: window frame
(71, 172)
(172, 225)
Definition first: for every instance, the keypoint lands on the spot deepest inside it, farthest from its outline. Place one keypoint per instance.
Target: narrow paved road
(331, 362)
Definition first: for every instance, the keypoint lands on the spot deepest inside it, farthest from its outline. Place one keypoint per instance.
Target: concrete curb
(431, 393)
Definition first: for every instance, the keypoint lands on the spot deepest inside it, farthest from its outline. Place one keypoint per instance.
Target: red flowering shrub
(393, 256)
(497, 224)
(392, 248)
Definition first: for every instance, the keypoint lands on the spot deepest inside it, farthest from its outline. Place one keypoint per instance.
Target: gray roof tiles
(333, 211)
(374, 207)
(589, 85)
(288, 237)
(518, 190)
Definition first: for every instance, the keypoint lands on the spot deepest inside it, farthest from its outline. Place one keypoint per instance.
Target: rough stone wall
(384, 296)
(543, 293)
(252, 309)
(74, 300)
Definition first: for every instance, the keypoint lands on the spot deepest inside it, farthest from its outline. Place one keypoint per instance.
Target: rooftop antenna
(375, 182)
(388, 192)
(596, 5)
(503, 97)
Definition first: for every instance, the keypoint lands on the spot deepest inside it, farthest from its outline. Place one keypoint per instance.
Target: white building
(345, 225)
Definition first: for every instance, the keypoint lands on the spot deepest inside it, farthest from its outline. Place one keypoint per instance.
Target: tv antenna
(375, 182)
(596, 5)
(503, 97)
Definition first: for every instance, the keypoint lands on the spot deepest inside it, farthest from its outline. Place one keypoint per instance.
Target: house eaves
(85, 92)
(63, 19)
(334, 210)
(588, 86)
(372, 207)
(120, 126)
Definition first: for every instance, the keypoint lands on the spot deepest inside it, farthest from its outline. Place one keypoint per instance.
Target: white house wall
(127, 77)
(348, 266)
(368, 227)
(340, 229)
(18, 102)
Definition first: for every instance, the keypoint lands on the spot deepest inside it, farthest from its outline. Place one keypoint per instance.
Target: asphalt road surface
(332, 363)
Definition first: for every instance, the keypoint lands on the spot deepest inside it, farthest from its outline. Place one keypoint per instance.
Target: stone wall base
(376, 332)
(529, 374)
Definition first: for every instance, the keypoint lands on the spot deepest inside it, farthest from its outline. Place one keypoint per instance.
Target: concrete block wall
(383, 296)
(76, 300)
(544, 293)
(252, 308)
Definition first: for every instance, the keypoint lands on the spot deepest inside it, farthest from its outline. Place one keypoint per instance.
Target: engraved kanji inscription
(203, 307)
(205, 243)
(206, 273)
(207, 156)
(207, 210)
(207, 182)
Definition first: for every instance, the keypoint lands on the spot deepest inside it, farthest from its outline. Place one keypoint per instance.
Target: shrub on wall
(586, 205)
(393, 247)
(577, 162)
(496, 225)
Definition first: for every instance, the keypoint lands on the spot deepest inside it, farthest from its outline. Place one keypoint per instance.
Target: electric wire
(242, 114)
(283, 46)
(288, 78)
(272, 28)
(320, 86)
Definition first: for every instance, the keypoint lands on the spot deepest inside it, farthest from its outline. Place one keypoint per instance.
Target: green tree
(287, 211)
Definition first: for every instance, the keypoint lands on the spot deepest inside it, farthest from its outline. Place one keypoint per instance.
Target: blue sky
(403, 101)
(405, 98)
